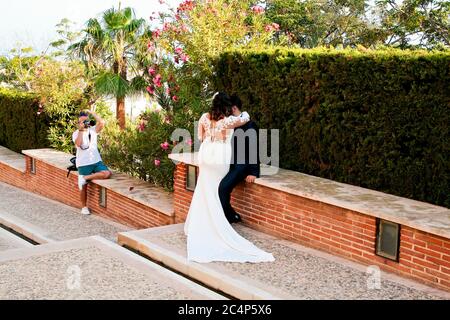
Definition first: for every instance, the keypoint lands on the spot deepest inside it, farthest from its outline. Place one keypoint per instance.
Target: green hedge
(20, 126)
(376, 119)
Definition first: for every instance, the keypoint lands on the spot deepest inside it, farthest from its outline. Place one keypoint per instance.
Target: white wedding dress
(210, 237)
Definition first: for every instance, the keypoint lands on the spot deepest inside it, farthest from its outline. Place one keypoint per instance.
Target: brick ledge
(415, 214)
(133, 188)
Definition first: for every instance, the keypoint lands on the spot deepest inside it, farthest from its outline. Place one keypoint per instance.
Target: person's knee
(104, 174)
(224, 188)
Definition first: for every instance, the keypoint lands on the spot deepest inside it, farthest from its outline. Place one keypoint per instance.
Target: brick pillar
(182, 197)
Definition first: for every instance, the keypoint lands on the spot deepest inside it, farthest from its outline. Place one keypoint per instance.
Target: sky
(32, 22)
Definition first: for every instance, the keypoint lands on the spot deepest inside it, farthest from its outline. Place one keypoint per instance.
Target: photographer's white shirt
(90, 155)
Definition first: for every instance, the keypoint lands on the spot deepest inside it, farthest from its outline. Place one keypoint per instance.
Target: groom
(245, 161)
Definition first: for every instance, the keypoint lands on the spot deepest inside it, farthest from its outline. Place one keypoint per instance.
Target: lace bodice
(220, 130)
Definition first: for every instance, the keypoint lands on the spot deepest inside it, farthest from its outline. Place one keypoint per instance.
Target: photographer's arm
(79, 139)
(100, 123)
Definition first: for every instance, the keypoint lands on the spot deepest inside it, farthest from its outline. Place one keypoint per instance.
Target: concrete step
(297, 272)
(90, 268)
(10, 241)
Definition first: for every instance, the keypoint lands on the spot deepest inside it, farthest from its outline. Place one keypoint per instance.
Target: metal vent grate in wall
(102, 198)
(33, 166)
(191, 178)
(388, 237)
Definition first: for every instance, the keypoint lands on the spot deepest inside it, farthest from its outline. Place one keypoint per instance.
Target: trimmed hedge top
(20, 126)
(377, 119)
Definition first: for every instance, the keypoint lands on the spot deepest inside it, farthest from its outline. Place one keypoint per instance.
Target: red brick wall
(53, 183)
(125, 210)
(424, 257)
(181, 197)
(12, 176)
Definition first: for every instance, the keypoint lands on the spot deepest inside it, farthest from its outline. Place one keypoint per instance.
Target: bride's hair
(220, 105)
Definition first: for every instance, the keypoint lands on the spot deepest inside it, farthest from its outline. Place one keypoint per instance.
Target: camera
(88, 123)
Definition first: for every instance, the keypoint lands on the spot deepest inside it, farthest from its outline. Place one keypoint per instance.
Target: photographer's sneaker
(81, 182)
(85, 211)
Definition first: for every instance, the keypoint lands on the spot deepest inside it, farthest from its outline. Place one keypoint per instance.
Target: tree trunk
(121, 69)
(120, 111)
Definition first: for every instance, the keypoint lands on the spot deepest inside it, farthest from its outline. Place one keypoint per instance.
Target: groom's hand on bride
(250, 179)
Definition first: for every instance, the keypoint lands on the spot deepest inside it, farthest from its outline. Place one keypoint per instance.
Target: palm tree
(110, 48)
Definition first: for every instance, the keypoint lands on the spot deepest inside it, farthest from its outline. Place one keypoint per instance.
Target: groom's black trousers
(236, 174)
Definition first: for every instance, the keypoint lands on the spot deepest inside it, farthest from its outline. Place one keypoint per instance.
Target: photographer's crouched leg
(97, 171)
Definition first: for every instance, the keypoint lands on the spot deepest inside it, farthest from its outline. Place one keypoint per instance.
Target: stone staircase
(298, 272)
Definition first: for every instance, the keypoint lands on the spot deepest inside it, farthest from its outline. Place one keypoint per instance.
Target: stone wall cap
(123, 184)
(412, 213)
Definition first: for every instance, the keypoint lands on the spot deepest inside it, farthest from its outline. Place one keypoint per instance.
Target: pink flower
(164, 145)
(161, 1)
(167, 91)
(166, 26)
(175, 98)
(187, 5)
(178, 50)
(150, 89)
(157, 80)
(184, 57)
(272, 27)
(141, 126)
(189, 142)
(157, 162)
(156, 34)
(258, 9)
(151, 71)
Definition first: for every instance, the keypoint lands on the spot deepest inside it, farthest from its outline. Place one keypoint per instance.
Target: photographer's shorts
(92, 168)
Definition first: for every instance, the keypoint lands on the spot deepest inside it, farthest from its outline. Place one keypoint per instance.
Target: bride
(209, 235)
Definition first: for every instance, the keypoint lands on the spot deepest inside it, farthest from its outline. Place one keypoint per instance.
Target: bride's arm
(201, 128)
(232, 122)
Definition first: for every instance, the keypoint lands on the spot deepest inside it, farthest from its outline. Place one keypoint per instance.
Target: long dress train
(210, 237)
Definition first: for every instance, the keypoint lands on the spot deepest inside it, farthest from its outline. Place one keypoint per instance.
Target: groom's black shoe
(236, 218)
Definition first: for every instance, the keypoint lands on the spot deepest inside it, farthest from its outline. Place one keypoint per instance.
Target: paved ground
(297, 273)
(10, 241)
(90, 268)
(56, 220)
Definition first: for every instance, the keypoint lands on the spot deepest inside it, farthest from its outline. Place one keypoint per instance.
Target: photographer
(88, 160)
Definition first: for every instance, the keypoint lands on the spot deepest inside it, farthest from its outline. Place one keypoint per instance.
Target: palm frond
(109, 83)
(138, 84)
(94, 29)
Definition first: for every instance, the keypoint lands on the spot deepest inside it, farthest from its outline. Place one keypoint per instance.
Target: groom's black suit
(241, 166)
